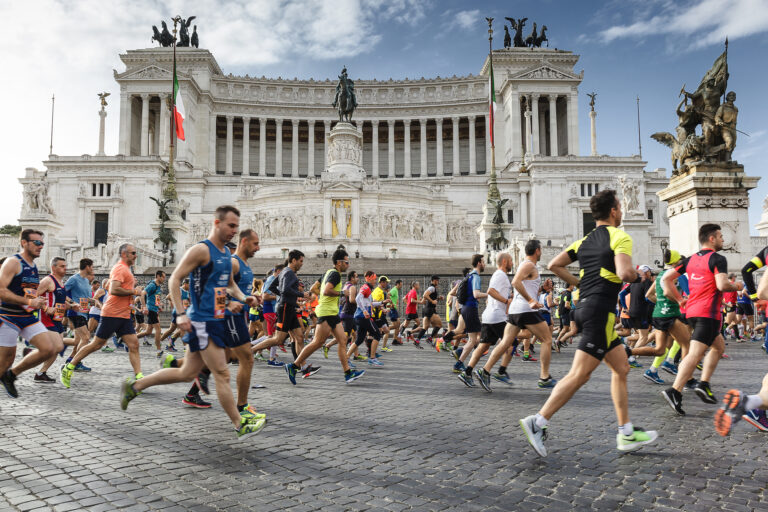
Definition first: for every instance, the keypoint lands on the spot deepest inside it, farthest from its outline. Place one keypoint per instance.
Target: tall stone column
(165, 126)
(211, 144)
(472, 147)
(516, 135)
(487, 144)
(230, 144)
(391, 148)
(593, 131)
(311, 148)
(125, 123)
(327, 126)
(535, 124)
(246, 146)
(144, 124)
(375, 149)
(524, 190)
(528, 137)
(262, 146)
(407, 148)
(295, 149)
(553, 124)
(423, 147)
(102, 119)
(456, 167)
(279, 147)
(573, 125)
(439, 138)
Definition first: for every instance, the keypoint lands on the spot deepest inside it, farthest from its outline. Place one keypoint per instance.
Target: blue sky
(628, 48)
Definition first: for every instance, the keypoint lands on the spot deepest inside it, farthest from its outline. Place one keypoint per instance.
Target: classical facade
(417, 157)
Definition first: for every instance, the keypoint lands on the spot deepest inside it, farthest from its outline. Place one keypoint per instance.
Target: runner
(19, 301)
(412, 302)
(287, 307)
(467, 296)
(730, 324)
(605, 258)
(430, 300)
(394, 315)
(347, 309)
(329, 321)
(640, 308)
(564, 312)
(708, 279)
(115, 317)
(269, 298)
(79, 290)
(53, 313)
(380, 313)
(365, 324)
(150, 299)
(94, 314)
(209, 267)
(173, 330)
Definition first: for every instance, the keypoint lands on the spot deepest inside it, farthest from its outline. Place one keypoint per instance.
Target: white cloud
(70, 47)
(711, 20)
(466, 20)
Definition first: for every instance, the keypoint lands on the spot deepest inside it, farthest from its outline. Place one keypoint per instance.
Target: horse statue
(530, 41)
(518, 25)
(542, 37)
(507, 38)
(345, 98)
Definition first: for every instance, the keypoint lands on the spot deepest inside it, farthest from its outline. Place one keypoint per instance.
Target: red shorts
(271, 319)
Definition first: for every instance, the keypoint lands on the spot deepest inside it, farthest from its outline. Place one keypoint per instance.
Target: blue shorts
(237, 329)
(56, 327)
(204, 332)
(547, 316)
(94, 315)
(253, 318)
(173, 316)
(109, 325)
(20, 322)
(393, 314)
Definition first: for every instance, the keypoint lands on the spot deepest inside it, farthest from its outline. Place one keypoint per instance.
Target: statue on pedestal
(345, 98)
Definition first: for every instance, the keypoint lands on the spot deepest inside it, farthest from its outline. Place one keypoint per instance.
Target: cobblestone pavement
(408, 436)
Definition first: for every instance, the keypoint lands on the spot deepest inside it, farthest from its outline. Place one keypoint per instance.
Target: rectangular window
(589, 190)
(582, 190)
(510, 216)
(109, 190)
(93, 189)
(597, 188)
(650, 214)
(588, 222)
(100, 228)
(101, 190)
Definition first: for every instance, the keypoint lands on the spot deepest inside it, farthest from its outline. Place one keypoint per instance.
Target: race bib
(83, 304)
(58, 314)
(185, 302)
(29, 293)
(220, 302)
(157, 301)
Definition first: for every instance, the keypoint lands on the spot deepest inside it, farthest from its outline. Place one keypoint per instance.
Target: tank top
(95, 310)
(23, 284)
(665, 307)
(519, 304)
(55, 299)
(347, 306)
(543, 301)
(243, 279)
(328, 305)
(208, 286)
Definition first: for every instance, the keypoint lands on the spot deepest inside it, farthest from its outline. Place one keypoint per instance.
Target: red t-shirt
(729, 297)
(410, 307)
(704, 298)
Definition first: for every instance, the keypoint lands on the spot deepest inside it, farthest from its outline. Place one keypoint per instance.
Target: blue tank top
(56, 299)
(243, 279)
(208, 286)
(24, 284)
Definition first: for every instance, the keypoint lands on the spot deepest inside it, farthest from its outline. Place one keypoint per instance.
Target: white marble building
(262, 144)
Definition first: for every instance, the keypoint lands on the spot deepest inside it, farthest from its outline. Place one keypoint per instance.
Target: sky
(628, 48)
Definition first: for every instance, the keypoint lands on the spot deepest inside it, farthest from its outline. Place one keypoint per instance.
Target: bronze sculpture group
(534, 40)
(165, 39)
(345, 99)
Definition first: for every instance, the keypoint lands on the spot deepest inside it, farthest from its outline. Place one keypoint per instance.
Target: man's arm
(43, 287)
(762, 288)
(8, 271)
(476, 293)
(651, 294)
(669, 288)
(747, 272)
(724, 285)
(557, 266)
(624, 268)
(315, 288)
(232, 289)
(193, 258)
(493, 292)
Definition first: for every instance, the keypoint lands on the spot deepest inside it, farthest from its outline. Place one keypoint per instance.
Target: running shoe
(634, 442)
(310, 371)
(675, 400)
(291, 370)
(196, 402)
(275, 364)
(634, 364)
(730, 412)
(757, 419)
(653, 376)
(536, 435)
(139, 376)
(387, 349)
(725, 356)
(7, 379)
(127, 393)
(43, 378)
(458, 367)
(248, 429)
(259, 357)
(377, 355)
(418, 345)
(529, 359)
(549, 382)
(63, 351)
(66, 374)
(107, 349)
(159, 354)
(360, 357)
(502, 377)
(456, 353)
(352, 375)
(170, 348)
(485, 379)
(250, 414)
(438, 344)
(669, 367)
(374, 361)
(325, 351)
(147, 343)
(699, 367)
(703, 391)
(691, 384)
(202, 382)
(167, 361)
(349, 362)
(81, 368)
(466, 379)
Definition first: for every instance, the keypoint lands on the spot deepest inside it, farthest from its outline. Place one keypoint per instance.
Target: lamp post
(664, 245)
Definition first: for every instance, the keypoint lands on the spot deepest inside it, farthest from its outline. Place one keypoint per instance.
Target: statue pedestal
(710, 193)
(50, 228)
(345, 154)
(639, 228)
(487, 231)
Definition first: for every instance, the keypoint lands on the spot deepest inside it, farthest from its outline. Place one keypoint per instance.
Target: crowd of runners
(611, 311)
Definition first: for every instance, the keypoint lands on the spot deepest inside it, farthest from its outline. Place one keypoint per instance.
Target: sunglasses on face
(132, 253)
(38, 243)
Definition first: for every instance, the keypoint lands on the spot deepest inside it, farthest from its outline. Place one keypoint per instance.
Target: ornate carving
(341, 215)
(151, 73)
(419, 225)
(344, 150)
(544, 73)
(313, 184)
(630, 202)
(36, 199)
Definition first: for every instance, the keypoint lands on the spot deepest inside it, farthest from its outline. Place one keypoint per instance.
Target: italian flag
(178, 106)
(491, 103)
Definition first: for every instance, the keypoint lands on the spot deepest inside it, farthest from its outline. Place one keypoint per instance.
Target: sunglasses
(38, 243)
(132, 253)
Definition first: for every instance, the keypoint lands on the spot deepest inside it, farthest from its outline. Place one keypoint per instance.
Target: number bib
(83, 304)
(157, 301)
(29, 293)
(220, 298)
(58, 314)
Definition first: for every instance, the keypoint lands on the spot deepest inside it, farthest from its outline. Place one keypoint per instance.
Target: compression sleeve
(623, 297)
(747, 272)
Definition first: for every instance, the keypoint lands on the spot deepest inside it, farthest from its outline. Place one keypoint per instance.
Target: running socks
(435, 330)
(627, 429)
(753, 402)
(542, 422)
(657, 362)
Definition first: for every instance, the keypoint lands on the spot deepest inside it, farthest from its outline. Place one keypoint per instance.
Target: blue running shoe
(635, 364)
(458, 367)
(653, 376)
(351, 365)
(502, 377)
(81, 368)
(669, 367)
(63, 351)
(374, 362)
(548, 383)
(275, 363)
(291, 370)
(353, 375)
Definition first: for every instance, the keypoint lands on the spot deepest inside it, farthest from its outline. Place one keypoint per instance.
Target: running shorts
(271, 320)
(152, 318)
(745, 309)
(237, 330)
(547, 316)
(14, 326)
(110, 325)
(471, 319)
(204, 332)
(663, 323)
(565, 319)
(596, 327)
(412, 316)
(394, 315)
(522, 320)
(332, 320)
(491, 333)
(626, 323)
(77, 321)
(139, 318)
(364, 327)
(429, 311)
(287, 319)
(705, 330)
(729, 308)
(638, 322)
(94, 315)
(349, 324)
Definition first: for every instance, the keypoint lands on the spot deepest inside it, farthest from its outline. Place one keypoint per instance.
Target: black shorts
(366, 326)
(565, 319)
(381, 322)
(286, 318)
(471, 319)
(110, 325)
(705, 330)
(683, 319)
(729, 308)
(522, 320)
(139, 318)
(78, 321)
(663, 323)
(491, 333)
(411, 316)
(597, 335)
(745, 309)
(626, 323)
(639, 322)
(152, 318)
(349, 324)
(428, 312)
(332, 321)
(237, 330)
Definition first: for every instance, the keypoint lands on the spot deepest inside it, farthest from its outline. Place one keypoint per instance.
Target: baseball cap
(383, 279)
(674, 257)
(644, 268)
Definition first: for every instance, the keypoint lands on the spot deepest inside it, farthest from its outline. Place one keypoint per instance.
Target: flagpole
(493, 189)
(725, 87)
(170, 190)
(53, 104)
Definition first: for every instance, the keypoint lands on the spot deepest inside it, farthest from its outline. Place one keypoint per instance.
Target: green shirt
(394, 296)
(665, 308)
(329, 305)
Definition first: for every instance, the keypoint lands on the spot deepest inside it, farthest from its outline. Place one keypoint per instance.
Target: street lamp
(664, 244)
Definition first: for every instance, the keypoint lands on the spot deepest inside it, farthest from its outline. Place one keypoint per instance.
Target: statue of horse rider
(345, 97)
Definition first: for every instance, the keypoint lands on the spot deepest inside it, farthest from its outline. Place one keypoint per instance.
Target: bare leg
(214, 359)
(617, 362)
(48, 344)
(712, 358)
(688, 364)
(245, 358)
(541, 330)
(581, 370)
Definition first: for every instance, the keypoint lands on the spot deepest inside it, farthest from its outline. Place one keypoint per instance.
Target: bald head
(504, 261)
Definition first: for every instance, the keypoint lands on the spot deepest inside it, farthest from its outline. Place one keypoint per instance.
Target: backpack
(462, 292)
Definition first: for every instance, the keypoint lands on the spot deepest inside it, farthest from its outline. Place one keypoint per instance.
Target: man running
(19, 301)
(605, 259)
(287, 308)
(394, 315)
(78, 289)
(209, 267)
(150, 298)
(707, 280)
(115, 317)
(412, 302)
(53, 313)
(469, 312)
(328, 320)
(173, 332)
(429, 313)
(380, 313)
(747, 273)
(365, 324)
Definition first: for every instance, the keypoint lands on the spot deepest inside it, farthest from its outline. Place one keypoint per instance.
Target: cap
(674, 257)
(383, 279)
(644, 268)
(371, 277)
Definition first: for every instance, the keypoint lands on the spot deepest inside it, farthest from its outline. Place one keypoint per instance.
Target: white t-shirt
(495, 311)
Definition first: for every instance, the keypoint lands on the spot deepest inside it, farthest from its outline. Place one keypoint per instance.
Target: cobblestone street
(408, 436)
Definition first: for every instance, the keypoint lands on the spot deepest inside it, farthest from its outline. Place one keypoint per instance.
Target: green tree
(10, 229)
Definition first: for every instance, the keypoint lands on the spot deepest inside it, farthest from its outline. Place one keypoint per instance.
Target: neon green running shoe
(66, 374)
(386, 349)
(325, 351)
(360, 357)
(127, 393)
(248, 429)
(634, 442)
(107, 349)
(251, 415)
(259, 357)
(167, 361)
(139, 376)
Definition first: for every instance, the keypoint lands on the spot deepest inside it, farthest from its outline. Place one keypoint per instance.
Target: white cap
(644, 268)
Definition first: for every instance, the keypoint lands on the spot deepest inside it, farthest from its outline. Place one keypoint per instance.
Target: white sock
(272, 352)
(541, 421)
(753, 402)
(631, 359)
(627, 429)
(256, 342)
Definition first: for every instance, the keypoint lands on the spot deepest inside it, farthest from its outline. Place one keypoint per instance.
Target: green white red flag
(178, 106)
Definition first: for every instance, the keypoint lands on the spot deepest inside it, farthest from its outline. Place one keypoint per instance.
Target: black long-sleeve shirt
(288, 286)
(755, 263)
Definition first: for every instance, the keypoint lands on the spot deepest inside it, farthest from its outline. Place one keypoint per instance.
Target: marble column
(535, 124)
(311, 148)
(553, 125)
(246, 146)
(593, 131)
(472, 146)
(391, 148)
(406, 148)
(144, 124)
(439, 138)
(423, 147)
(528, 138)
(375, 149)
(523, 209)
(230, 142)
(125, 123)
(295, 149)
(456, 167)
(327, 126)
(278, 147)
(573, 124)
(102, 119)
(262, 146)
(516, 135)
(211, 144)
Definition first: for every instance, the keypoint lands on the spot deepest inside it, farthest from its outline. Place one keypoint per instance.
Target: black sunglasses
(38, 243)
